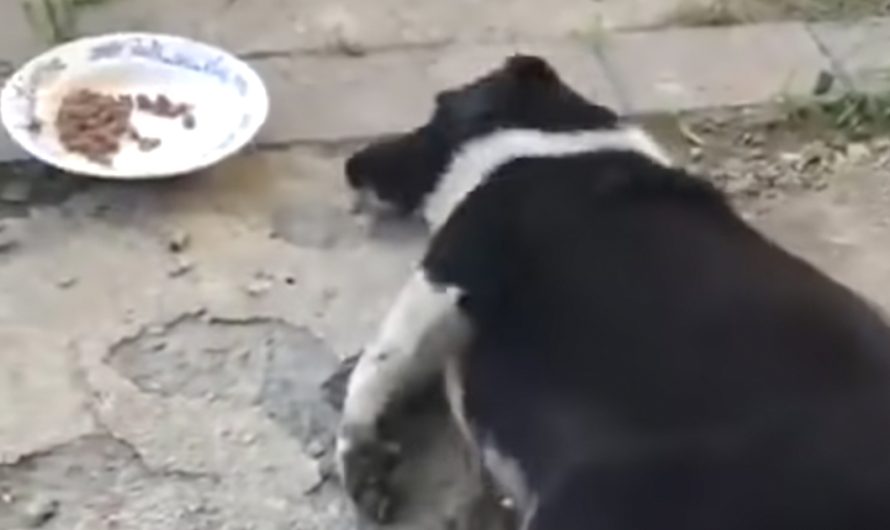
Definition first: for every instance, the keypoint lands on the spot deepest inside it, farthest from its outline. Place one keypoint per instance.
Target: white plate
(229, 100)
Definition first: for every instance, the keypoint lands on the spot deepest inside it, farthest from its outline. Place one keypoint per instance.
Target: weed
(55, 20)
(855, 114)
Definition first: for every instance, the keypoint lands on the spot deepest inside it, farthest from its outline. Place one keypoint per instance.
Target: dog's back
(638, 358)
(654, 363)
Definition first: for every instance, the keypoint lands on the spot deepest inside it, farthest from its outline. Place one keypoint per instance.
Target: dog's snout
(354, 172)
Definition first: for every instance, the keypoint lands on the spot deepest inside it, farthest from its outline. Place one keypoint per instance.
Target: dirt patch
(280, 368)
(762, 156)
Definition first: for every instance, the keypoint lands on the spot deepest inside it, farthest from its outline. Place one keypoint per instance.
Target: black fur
(654, 363)
(651, 361)
(524, 93)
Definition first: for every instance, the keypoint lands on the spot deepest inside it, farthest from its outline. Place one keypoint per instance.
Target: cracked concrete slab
(42, 403)
(859, 49)
(314, 25)
(390, 92)
(663, 70)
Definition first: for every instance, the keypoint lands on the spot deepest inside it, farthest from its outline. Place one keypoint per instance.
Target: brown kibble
(143, 102)
(94, 125)
(180, 110)
(163, 105)
(148, 144)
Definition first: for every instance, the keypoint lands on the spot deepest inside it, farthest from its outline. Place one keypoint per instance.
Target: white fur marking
(421, 328)
(479, 158)
(454, 393)
(509, 476)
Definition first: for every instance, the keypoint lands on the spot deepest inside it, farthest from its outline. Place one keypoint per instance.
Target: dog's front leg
(421, 328)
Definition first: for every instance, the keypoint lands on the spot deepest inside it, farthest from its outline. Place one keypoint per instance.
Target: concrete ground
(164, 346)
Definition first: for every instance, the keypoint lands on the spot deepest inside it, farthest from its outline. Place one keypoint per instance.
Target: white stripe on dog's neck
(481, 157)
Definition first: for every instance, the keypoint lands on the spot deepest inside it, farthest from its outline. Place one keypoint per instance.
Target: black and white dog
(623, 351)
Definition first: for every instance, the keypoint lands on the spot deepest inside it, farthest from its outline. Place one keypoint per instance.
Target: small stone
(247, 438)
(40, 511)
(856, 152)
(258, 287)
(343, 28)
(66, 282)
(349, 46)
(315, 448)
(824, 82)
(178, 241)
(752, 139)
(790, 158)
(696, 154)
(181, 267)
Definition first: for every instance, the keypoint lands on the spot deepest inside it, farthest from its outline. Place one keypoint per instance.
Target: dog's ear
(531, 68)
(469, 251)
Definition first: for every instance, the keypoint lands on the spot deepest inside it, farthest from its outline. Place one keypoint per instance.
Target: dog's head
(524, 93)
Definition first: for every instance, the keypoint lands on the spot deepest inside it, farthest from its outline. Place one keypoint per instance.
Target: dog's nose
(354, 172)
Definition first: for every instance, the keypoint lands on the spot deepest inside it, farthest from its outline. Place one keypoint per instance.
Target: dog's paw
(365, 464)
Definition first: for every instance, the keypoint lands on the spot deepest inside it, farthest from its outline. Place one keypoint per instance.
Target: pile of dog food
(95, 125)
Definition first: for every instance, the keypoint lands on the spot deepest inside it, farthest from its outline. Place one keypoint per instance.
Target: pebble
(348, 45)
(258, 287)
(824, 83)
(40, 511)
(66, 282)
(856, 152)
(178, 241)
(315, 449)
(696, 154)
(180, 267)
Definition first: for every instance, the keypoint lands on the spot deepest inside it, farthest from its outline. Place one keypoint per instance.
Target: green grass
(857, 115)
(55, 20)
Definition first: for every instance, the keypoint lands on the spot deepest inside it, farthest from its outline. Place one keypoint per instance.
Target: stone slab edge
(829, 41)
